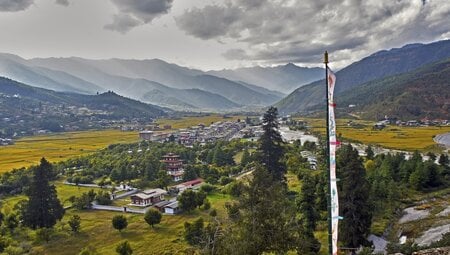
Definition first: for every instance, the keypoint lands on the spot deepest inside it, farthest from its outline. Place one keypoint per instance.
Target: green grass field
(97, 231)
(57, 147)
(64, 192)
(392, 137)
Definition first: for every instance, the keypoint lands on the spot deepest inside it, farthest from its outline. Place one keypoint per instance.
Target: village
(133, 200)
(128, 199)
(200, 133)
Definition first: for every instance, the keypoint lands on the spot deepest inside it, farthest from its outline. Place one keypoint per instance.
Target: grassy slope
(97, 231)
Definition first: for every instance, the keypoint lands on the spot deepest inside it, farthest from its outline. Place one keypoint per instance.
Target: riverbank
(443, 139)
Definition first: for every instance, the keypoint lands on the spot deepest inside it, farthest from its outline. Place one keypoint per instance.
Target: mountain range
(377, 66)
(384, 83)
(158, 82)
(21, 99)
(424, 92)
(284, 78)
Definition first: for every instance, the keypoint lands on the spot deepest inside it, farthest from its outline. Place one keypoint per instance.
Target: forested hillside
(376, 66)
(424, 92)
(25, 109)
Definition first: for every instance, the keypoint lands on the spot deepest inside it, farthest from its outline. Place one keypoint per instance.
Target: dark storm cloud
(293, 30)
(137, 12)
(210, 22)
(63, 2)
(14, 5)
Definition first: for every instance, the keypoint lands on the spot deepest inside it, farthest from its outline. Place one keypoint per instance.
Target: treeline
(40, 211)
(140, 165)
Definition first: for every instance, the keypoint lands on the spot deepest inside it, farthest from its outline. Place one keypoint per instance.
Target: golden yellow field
(393, 137)
(186, 122)
(56, 147)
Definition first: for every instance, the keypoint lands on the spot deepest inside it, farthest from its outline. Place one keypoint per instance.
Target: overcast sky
(216, 34)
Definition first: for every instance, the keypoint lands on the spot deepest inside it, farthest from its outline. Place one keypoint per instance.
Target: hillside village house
(174, 166)
(194, 184)
(172, 208)
(148, 197)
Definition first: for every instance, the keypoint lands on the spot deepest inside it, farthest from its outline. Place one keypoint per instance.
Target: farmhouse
(148, 197)
(160, 205)
(172, 208)
(189, 185)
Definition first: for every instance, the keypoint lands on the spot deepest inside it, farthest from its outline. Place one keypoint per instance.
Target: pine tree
(306, 203)
(264, 219)
(43, 208)
(190, 173)
(369, 152)
(270, 149)
(443, 160)
(354, 198)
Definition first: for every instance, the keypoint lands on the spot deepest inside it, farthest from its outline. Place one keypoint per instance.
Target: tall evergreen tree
(43, 208)
(270, 149)
(264, 219)
(306, 203)
(369, 152)
(354, 198)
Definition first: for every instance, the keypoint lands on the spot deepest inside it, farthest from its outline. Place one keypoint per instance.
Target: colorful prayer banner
(332, 154)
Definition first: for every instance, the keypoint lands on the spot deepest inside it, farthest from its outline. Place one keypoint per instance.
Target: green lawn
(97, 232)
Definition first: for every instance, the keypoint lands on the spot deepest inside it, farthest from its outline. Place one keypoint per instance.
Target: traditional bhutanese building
(174, 166)
(148, 197)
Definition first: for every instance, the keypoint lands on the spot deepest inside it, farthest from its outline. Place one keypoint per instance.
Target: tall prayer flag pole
(332, 198)
(330, 243)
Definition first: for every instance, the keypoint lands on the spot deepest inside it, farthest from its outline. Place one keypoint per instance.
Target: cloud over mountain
(14, 5)
(63, 2)
(133, 13)
(300, 30)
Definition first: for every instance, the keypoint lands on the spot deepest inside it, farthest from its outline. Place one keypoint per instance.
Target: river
(292, 135)
(443, 139)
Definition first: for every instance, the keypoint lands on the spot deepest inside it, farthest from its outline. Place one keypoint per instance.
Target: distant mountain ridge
(421, 93)
(172, 86)
(113, 105)
(376, 66)
(284, 78)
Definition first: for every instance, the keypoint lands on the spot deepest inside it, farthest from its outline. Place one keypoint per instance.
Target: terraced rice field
(56, 147)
